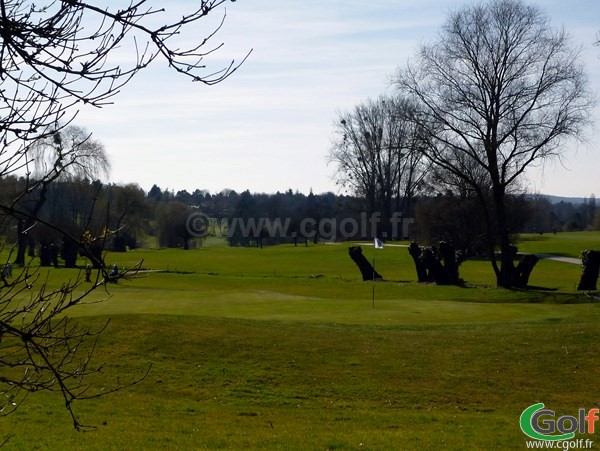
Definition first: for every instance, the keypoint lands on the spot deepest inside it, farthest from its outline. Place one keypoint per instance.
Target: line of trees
(133, 217)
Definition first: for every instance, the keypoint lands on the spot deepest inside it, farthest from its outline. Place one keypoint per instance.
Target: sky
(269, 126)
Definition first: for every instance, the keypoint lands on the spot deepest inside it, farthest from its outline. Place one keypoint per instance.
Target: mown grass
(565, 244)
(284, 348)
(238, 384)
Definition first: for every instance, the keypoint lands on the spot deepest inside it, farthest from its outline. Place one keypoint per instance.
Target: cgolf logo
(541, 424)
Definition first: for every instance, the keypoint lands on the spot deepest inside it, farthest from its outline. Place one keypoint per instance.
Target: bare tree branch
(376, 154)
(56, 56)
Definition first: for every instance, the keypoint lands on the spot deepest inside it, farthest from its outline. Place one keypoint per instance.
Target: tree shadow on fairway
(535, 288)
(403, 282)
(546, 295)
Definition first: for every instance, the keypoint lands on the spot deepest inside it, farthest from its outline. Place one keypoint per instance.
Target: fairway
(286, 348)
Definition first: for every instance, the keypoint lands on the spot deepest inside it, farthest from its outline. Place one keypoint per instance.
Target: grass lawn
(564, 244)
(284, 348)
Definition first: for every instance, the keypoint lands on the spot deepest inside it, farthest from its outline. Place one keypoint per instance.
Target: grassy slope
(263, 355)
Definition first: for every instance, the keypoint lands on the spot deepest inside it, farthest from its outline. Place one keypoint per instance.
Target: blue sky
(269, 127)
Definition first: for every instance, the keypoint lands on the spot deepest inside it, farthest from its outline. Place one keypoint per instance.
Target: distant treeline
(127, 217)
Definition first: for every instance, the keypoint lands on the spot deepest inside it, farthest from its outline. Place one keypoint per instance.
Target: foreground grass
(237, 384)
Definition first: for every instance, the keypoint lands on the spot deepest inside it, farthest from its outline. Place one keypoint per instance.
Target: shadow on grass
(534, 288)
(547, 295)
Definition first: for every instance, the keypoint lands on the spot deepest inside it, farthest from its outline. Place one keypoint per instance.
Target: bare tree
(500, 90)
(70, 153)
(376, 156)
(56, 56)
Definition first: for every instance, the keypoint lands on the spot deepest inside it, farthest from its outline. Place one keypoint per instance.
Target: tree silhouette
(499, 91)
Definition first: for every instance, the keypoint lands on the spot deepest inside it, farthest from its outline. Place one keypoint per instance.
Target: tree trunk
(505, 277)
(70, 250)
(22, 243)
(507, 266)
(415, 252)
(591, 269)
(45, 254)
(54, 254)
(523, 270)
(31, 244)
(437, 264)
(366, 269)
(25, 224)
(451, 263)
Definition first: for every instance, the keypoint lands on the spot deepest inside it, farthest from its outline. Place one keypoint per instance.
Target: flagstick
(373, 304)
